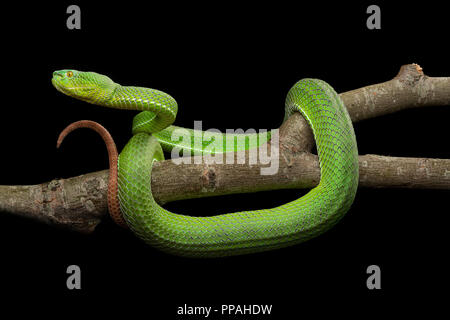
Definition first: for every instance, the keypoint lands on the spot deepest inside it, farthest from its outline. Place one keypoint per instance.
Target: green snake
(231, 233)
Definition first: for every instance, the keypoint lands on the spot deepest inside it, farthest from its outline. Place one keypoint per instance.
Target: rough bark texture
(409, 89)
(79, 203)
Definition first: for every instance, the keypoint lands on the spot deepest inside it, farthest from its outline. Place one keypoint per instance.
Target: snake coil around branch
(79, 203)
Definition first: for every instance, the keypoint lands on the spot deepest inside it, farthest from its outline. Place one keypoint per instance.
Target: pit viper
(130, 198)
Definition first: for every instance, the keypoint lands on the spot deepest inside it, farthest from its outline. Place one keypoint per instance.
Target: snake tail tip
(61, 138)
(73, 126)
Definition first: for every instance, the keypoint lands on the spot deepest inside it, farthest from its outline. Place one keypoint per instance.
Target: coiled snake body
(232, 233)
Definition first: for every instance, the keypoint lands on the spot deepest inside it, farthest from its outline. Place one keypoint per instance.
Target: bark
(79, 203)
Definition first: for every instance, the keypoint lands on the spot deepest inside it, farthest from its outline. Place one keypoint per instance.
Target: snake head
(86, 86)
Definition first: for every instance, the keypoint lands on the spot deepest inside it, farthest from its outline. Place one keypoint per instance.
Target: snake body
(232, 233)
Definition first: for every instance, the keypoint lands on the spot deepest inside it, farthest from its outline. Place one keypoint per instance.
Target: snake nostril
(56, 74)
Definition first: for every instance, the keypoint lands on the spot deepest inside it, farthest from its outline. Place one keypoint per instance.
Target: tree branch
(79, 203)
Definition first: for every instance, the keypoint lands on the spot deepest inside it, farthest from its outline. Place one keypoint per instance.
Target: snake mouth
(56, 81)
(56, 78)
(56, 84)
(78, 92)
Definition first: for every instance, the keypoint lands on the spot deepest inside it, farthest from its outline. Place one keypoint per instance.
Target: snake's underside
(232, 233)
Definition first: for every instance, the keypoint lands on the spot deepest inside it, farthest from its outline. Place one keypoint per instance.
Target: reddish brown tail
(113, 201)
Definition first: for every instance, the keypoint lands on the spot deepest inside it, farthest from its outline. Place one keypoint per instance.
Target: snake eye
(69, 74)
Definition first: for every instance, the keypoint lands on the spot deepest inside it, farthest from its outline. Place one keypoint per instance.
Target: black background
(231, 66)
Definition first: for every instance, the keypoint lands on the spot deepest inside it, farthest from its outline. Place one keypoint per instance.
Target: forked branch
(79, 203)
